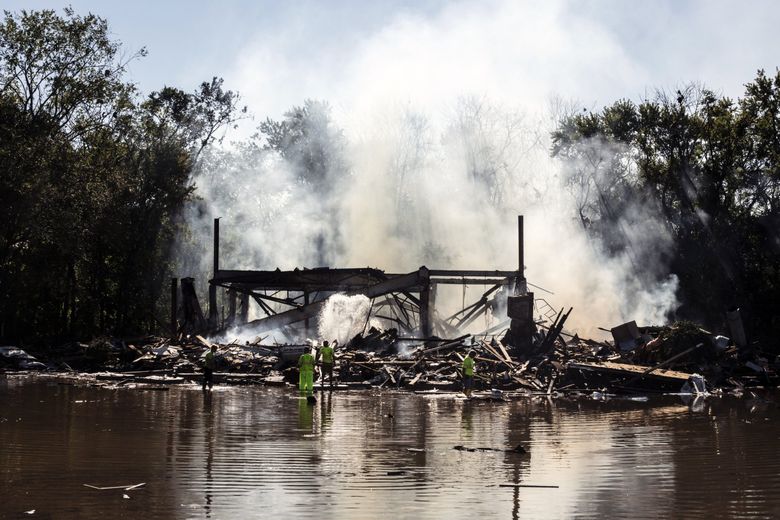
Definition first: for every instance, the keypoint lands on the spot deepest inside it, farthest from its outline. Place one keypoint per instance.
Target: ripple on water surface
(260, 452)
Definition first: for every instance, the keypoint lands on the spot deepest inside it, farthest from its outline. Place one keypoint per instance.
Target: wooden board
(504, 352)
(623, 368)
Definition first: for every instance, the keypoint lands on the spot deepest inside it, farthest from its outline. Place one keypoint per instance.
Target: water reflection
(208, 449)
(244, 452)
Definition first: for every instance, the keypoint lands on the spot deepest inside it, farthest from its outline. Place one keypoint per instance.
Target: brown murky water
(255, 452)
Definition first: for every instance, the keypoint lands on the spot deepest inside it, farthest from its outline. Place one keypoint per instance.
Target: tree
(309, 141)
(307, 138)
(710, 168)
(495, 142)
(64, 70)
(93, 178)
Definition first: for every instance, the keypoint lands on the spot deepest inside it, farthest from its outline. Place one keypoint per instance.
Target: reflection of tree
(725, 460)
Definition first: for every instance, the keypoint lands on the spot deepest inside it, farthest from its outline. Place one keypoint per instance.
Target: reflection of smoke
(343, 317)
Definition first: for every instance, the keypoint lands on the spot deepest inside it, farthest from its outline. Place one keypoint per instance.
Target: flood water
(261, 452)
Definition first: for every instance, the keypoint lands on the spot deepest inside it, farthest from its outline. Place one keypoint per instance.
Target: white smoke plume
(344, 317)
(445, 141)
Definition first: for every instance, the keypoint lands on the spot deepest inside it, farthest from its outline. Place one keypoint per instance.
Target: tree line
(94, 175)
(707, 169)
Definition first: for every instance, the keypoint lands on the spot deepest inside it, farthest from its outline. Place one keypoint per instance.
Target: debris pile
(680, 357)
(16, 358)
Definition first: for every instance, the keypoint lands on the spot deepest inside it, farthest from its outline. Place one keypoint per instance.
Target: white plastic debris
(720, 342)
(696, 384)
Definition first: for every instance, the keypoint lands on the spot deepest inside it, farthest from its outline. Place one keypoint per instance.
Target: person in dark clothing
(208, 368)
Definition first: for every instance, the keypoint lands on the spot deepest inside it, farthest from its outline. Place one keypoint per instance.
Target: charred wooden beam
(303, 280)
(312, 309)
(306, 321)
(412, 298)
(193, 315)
(232, 300)
(244, 312)
(286, 301)
(402, 308)
(435, 273)
(174, 306)
(520, 248)
(482, 300)
(425, 297)
(213, 315)
(473, 281)
(264, 306)
(473, 315)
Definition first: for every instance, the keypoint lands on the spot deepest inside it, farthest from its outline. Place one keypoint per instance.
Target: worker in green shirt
(468, 373)
(328, 358)
(306, 372)
(208, 368)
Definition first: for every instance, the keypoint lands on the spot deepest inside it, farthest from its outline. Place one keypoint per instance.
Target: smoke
(343, 317)
(626, 271)
(438, 139)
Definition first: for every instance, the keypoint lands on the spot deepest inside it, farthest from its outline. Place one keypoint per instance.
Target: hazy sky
(356, 54)
(378, 63)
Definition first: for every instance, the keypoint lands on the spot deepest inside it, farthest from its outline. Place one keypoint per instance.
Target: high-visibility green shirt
(327, 354)
(209, 359)
(306, 362)
(468, 366)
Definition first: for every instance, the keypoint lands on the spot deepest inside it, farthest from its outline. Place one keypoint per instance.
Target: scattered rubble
(16, 358)
(680, 358)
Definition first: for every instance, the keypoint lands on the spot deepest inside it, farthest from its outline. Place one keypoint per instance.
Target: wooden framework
(407, 299)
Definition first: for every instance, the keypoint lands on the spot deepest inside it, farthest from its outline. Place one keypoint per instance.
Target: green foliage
(307, 139)
(93, 178)
(709, 168)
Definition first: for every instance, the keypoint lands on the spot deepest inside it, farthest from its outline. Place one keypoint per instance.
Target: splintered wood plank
(504, 352)
(622, 368)
(202, 341)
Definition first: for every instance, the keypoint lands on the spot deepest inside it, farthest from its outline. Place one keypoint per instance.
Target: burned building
(293, 298)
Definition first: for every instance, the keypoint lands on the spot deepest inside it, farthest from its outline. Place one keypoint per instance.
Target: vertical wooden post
(432, 304)
(425, 298)
(213, 314)
(520, 250)
(306, 321)
(520, 286)
(174, 306)
(232, 298)
(216, 246)
(244, 316)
